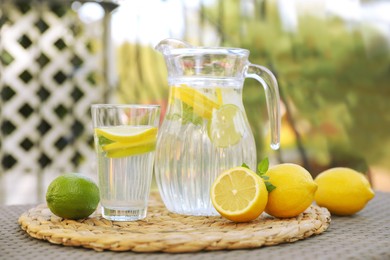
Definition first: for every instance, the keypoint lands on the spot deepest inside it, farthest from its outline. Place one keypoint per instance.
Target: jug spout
(167, 45)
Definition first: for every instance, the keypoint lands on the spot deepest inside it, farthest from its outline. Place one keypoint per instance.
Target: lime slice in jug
(226, 126)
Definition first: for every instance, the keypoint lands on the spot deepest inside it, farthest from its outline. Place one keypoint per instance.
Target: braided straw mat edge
(162, 231)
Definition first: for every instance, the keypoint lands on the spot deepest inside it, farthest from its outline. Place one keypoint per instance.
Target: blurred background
(57, 57)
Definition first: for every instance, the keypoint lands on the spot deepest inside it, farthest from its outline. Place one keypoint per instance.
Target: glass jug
(205, 129)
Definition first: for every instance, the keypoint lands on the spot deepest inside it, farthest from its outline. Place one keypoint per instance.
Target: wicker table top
(363, 236)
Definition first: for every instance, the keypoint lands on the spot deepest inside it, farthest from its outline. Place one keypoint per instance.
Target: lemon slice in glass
(122, 141)
(125, 133)
(226, 126)
(130, 151)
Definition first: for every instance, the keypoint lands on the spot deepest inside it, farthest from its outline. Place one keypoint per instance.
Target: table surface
(366, 235)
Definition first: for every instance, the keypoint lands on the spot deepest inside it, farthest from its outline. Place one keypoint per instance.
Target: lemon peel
(343, 191)
(294, 192)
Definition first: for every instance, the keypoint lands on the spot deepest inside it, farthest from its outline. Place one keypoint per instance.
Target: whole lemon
(72, 196)
(343, 191)
(294, 191)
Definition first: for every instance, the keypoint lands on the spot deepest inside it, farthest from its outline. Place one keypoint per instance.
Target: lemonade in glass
(125, 140)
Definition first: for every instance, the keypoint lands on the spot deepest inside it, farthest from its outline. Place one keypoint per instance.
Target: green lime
(226, 126)
(72, 196)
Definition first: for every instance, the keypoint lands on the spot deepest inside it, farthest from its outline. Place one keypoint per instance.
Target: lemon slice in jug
(202, 104)
(226, 126)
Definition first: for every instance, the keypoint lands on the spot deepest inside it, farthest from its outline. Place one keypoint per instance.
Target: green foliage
(334, 82)
(142, 75)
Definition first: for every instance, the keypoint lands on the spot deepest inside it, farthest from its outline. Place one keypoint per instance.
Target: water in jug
(205, 129)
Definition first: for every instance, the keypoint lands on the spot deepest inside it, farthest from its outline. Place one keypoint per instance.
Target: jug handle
(268, 80)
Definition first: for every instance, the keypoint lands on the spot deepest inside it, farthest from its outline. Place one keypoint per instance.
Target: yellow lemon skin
(343, 191)
(294, 192)
(239, 194)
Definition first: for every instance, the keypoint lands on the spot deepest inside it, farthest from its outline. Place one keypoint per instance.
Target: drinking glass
(125, 140)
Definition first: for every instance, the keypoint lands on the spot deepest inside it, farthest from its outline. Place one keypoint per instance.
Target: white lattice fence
(51, 72)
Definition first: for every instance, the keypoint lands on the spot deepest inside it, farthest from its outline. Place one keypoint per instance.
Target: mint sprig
(262, 169)
(186, 115)
(104, 140)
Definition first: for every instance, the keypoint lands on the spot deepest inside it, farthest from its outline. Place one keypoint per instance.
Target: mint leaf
(245, 165)
(269, 186)
(262, 167)
(266, 178)
(103, 141)
(186, 115)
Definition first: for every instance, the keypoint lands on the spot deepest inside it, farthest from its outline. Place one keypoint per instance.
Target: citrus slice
(239, 194)
(122, 141)
(124, 145)
(126, 133)
(224, 127)
(202, 105)
(130, 151)
(218, 92)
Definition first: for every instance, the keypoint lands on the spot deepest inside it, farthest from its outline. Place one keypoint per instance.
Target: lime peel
(223, 128)
(72, 196)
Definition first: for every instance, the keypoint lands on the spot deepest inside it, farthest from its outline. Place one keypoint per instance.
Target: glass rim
(209, 50)
(125, 106)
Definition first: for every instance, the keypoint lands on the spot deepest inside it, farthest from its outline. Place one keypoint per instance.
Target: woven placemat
(163, 231)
